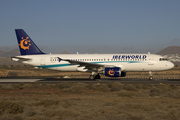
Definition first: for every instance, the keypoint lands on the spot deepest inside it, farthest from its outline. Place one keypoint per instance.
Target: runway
(82, 80)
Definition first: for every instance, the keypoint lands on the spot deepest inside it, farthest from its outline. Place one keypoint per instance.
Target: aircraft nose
(170, 65)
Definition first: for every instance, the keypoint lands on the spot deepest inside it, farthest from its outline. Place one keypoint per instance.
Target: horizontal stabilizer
(19, 59)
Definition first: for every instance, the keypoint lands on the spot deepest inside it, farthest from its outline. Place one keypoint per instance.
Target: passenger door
(42, 61)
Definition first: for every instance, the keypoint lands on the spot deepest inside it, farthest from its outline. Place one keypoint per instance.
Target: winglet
(26, 45)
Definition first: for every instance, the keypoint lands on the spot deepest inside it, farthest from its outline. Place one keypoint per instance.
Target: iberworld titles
(129, 57)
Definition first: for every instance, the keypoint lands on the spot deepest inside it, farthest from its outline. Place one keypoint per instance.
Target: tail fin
(26, 45)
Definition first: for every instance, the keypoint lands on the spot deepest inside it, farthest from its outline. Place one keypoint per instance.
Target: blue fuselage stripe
(68, 64)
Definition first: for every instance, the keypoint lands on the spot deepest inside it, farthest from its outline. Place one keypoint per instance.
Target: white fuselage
(127, 62)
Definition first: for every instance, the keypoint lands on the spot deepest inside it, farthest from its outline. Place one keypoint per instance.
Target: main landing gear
(150, 75)
(92, 77)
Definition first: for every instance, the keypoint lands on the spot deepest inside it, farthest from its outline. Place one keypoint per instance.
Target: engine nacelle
(114, 72)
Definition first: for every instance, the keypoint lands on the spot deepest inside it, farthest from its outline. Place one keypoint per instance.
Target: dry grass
(80, 101)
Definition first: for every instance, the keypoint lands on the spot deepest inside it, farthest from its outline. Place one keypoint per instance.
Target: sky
(92, 26)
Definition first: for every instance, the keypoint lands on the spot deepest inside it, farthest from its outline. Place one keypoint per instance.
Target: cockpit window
(163, 59)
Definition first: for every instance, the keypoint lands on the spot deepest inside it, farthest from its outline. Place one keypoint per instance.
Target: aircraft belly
(141, 67)
(133, 67)
(67, 68)
(151, 67)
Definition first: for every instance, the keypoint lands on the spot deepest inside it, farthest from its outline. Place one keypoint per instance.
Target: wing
(87, 65)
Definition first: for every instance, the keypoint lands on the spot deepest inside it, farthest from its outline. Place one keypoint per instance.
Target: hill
(170, 50)
(8, 61)
(64, 52)
(14, 52)
(2, 53)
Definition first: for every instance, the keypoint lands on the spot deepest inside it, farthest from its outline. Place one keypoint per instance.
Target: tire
(98, 77)
(91, 77)
(151, 77)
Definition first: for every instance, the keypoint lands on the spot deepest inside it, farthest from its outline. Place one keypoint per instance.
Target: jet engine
(114, 72)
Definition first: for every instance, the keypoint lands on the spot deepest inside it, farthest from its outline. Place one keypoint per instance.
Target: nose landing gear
(150, 75)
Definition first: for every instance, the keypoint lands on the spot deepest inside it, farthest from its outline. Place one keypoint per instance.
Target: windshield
(163, 59)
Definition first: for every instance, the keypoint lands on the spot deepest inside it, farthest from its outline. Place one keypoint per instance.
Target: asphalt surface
(82, 80)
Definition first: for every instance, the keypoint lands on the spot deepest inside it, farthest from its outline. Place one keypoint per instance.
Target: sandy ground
(170, 74)
(79, 101)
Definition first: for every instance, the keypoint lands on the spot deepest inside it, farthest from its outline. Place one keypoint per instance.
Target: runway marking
(18, 80)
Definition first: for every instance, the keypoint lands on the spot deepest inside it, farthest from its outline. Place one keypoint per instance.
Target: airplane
(111, 65)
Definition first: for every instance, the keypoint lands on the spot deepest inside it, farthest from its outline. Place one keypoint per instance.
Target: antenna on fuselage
(149, 53)
(77, 52)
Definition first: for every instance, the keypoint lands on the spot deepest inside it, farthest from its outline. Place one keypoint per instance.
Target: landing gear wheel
(97, 76)
(151, 77)
(91, 77)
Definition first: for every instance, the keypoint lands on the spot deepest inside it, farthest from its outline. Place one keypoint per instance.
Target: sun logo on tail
(111, 72)
(25, 43)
